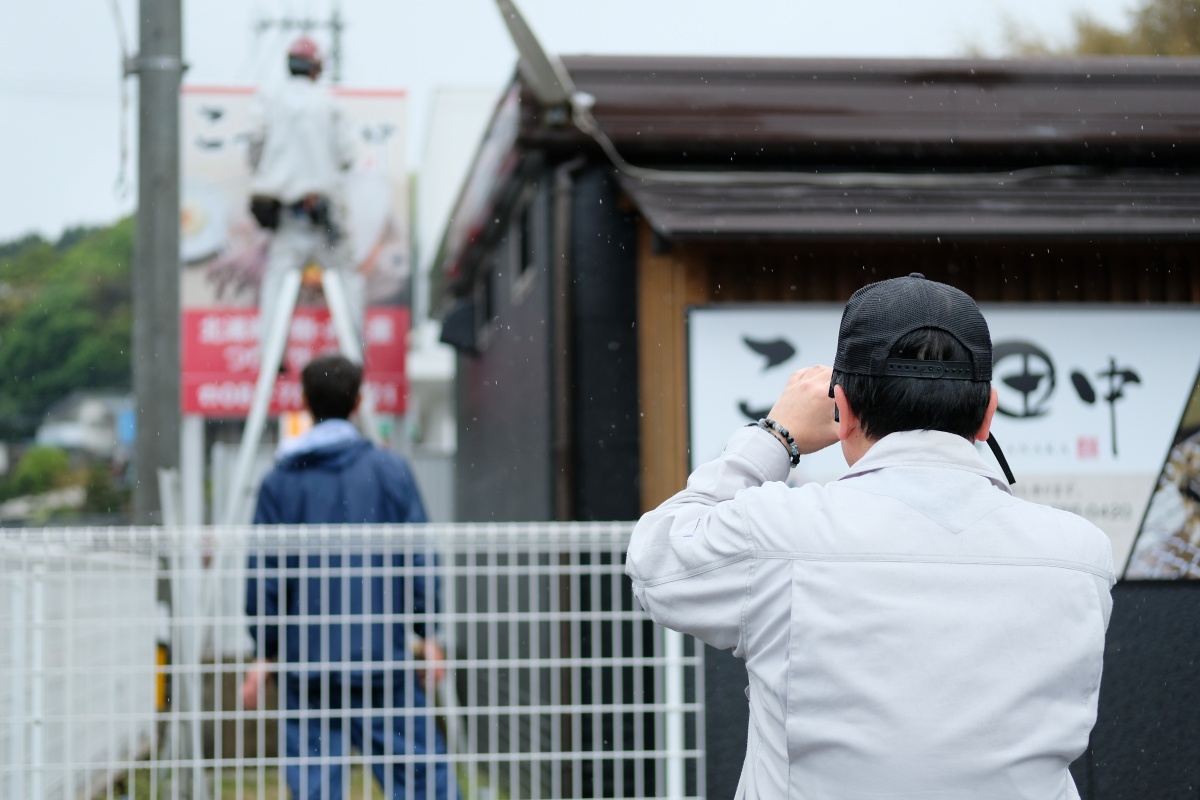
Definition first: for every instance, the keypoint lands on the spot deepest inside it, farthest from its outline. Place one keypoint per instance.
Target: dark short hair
(331, 384)
(886, 404)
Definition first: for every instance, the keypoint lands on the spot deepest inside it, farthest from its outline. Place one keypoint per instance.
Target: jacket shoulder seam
(904, 502)
(691, 573)
(743, 632)
(999, 561)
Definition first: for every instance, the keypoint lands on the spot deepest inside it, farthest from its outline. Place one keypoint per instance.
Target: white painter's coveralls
(300, 145)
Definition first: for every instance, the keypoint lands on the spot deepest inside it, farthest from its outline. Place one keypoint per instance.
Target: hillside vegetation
(66, 320)
(1153, 28)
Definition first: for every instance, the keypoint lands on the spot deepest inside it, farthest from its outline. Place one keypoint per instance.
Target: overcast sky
(60, 144)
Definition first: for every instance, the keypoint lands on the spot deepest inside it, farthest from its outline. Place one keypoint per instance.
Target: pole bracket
(135, 65)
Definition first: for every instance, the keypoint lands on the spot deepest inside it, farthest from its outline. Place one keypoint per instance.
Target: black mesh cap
(881, 313)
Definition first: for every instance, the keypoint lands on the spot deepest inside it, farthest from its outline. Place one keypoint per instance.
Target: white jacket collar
(926, 449)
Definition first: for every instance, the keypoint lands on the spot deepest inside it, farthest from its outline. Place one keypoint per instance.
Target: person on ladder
(300, 147)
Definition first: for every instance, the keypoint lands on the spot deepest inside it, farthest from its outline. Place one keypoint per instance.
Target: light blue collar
(322, 435)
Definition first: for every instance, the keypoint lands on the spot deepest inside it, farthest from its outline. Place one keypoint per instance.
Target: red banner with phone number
(221, 357)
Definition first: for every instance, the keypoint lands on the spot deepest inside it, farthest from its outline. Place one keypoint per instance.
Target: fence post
(673, 650)
(37, 689)
(16, 741)
(186, 739)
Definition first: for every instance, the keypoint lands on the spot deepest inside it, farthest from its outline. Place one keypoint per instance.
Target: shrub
(40, 470)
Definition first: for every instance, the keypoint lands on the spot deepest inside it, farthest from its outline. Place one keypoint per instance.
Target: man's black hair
(885, 404)
(331, 384)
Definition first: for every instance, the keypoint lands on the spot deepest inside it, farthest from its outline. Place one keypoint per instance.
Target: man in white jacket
(911, 630)
(301, 145)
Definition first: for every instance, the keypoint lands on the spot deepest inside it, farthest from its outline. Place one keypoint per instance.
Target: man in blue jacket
(332, 475)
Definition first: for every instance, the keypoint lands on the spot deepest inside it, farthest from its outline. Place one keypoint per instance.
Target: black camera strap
(992, 443)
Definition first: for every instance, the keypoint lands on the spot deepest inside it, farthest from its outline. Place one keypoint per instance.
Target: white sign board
(1091, 397)
(223, 250)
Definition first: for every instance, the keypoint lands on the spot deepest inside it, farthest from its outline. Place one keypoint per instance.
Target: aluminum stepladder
(271, 353)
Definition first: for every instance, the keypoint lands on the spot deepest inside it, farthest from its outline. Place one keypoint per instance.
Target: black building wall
(504, 465)
(604, 351)
(1146, 743)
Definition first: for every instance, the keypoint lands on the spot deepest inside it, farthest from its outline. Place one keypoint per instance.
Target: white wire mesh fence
(556, 684)
(77, 663)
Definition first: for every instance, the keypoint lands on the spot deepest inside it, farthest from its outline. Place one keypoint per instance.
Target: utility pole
(159, 67)
(336, 24)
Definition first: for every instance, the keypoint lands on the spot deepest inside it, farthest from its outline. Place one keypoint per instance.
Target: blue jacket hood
(333, 475)
(332, 456)
(331, 444)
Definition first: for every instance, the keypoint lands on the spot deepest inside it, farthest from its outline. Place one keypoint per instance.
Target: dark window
(525, 247)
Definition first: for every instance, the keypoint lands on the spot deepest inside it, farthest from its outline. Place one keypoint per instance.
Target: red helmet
(305, 48)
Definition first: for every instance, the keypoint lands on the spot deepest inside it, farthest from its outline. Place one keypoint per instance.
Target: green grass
(251, 789)
(144, 789)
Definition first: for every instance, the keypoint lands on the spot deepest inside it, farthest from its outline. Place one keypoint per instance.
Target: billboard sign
(1168, 541)
(220, 347)
(1091, 397)
(223, 252)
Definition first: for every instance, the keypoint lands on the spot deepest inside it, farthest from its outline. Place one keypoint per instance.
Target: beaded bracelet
(771, 425)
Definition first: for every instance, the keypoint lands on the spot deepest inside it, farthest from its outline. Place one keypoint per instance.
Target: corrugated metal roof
(1122, 136)
(1129, 204)
(883, 111)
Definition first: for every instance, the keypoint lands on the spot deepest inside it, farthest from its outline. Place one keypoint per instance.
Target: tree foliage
(40, 470)
(66, 320)
(1156, 28)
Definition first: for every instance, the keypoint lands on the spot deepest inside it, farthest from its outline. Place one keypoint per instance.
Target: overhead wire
(248, 67)
(121, 186)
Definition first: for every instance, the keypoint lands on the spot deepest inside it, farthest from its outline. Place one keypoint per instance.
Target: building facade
(568, 271)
